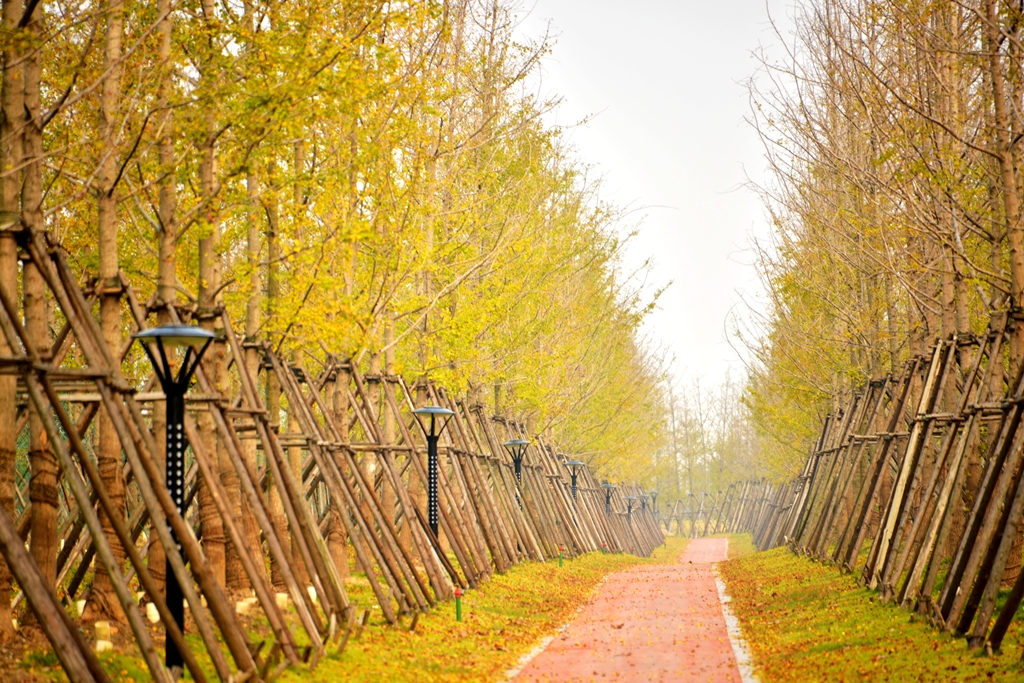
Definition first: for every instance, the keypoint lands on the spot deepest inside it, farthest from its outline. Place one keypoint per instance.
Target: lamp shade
(176, 334)
(574, 463)
(609, 487)
(433, 411)
(430, 416)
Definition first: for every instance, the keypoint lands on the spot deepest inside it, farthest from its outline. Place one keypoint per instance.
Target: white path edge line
(546, 640)
(744, 662)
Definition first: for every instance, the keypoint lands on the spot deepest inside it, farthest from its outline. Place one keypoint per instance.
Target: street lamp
(517, 449)
(429, 417)
(629, 508)
(643, 502)
(654, 500)
(574, 470)
(195, 340)
(608, 488)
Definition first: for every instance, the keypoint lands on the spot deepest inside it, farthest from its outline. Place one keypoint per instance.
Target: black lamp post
(629, 508)
(517, 449)
(429, 418)
(654, 500)
(643, 502)
(574, 470)
(608, 488)
(195, 340)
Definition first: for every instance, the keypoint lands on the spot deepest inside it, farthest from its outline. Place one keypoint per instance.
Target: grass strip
(804, 621)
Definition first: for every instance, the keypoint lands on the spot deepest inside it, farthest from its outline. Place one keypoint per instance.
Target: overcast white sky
(663, 81)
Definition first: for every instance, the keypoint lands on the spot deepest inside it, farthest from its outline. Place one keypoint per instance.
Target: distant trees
(712, 442)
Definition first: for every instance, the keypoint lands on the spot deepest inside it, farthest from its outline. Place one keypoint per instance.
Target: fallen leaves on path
(671, 627)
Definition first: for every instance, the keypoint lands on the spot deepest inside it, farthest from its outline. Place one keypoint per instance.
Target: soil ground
(648, 623)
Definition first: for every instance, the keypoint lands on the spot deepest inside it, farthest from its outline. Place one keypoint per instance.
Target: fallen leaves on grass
(806, 622)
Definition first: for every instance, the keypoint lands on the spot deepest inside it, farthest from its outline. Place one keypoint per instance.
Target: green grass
(805, 621)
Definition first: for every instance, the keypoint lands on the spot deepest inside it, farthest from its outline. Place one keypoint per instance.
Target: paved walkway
(647, 624)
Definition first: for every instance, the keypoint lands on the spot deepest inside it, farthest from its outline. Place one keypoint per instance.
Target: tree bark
(103, 603)
(167, 245)
(337, 539)
(10, 185)
(214, 360)
(277, 516)
(43, 485)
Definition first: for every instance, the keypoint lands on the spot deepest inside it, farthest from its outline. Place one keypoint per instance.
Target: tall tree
(102, 601)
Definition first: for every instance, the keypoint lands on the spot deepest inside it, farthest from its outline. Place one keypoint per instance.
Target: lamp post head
(429, 416)
(194, 339)
(516, 448)
(176, 334)
(608, 488)
(574, 466)
(654, 494)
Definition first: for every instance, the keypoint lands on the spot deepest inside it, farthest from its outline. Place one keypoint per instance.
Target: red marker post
(458, 604)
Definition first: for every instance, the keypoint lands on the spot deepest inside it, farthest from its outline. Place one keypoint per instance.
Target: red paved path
(647, 624)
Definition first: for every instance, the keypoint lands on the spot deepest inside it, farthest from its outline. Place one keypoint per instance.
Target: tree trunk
(250, 529)
(103, 603)
(213, 362)
(369, 462)
(1011, 209)
(277, 516)
(274, 502)
(294, 452)
(337, 540)
(167, 271)
(43, 486)
(1008, 182)
(295, 463)
(10, 185)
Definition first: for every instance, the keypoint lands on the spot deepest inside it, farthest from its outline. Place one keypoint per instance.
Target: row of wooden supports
(348, 472)
(756, 507)
(923, 472)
